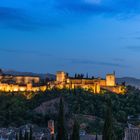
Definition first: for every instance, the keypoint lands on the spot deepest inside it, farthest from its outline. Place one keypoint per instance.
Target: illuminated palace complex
(11, 83)
(93, 84)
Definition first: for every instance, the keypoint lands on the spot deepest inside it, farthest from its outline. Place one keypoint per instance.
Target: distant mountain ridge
(41, 75)
(129, 81)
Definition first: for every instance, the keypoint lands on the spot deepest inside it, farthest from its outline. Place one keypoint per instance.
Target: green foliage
(15, 110)
(61, 131)
(96, 138)
(26, 136)
(52, 137)
(20, 135)
(31, 134)
(12, 110)
(108, 124)
(17, 137)
(75, 133)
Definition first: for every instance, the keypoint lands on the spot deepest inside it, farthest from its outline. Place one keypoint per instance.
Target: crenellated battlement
(94, 84)
(10, 83)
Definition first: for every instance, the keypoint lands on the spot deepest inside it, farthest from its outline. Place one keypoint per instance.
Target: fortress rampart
(93, 84)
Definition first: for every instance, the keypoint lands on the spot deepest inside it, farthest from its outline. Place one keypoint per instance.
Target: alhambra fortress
(94, 84)
(20, 83)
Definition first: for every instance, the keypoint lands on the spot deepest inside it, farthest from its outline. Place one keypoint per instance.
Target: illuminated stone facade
(21, 88)
(93, 84)
(26, 79)
(10, 83)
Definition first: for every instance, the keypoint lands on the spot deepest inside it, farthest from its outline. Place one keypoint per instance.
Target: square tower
(61, 76)
(110, 80)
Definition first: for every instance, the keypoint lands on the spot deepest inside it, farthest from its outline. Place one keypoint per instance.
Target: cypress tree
(75, 133)
(52, 137)
(26, 135)
(17, 136)
(31, 134)
(20, 135)
(61, 131)
(87, 76)
(75, 75)
(108, 126)
(96, 138)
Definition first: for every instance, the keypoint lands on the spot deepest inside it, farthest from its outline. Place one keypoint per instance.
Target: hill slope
(130, 81)
(41, 75)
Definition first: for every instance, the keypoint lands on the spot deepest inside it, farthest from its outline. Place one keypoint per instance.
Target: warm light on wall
(63, 81)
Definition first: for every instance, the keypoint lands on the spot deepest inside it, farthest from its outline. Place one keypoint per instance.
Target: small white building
(132, 134)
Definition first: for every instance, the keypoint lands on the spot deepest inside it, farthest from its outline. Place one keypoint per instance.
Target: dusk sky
(86, 36)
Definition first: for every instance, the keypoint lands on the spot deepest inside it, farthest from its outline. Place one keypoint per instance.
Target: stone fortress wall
(11, 83)
(94, 84)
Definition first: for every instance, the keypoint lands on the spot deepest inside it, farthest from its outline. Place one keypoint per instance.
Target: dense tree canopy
(15, 110)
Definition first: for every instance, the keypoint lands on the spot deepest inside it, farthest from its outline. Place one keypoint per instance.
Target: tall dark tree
(75, 133)
(61, 131)
(92, 77)
(20, 135)
(96, 138)
(108, 125)
(87, 76)
(75, 75)
(26, 135)
(17, 136)
(82, 76)
(31, 134)
(52, 138)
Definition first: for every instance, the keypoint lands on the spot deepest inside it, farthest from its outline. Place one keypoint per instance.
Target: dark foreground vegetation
(16, 110)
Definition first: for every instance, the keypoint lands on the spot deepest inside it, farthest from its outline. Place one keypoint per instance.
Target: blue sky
(86, 36)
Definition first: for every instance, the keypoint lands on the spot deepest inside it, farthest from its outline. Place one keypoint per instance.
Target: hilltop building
(22, 83)
(94, 84)
(12, 83)
(51, 126)
(132, 134)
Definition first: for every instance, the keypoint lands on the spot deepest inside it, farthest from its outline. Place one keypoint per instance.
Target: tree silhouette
(75, 133)
(26, 135)
(108, 130)
(20, 135)
(17, 136)
(61, 131)
(31, 134)
(96, 138)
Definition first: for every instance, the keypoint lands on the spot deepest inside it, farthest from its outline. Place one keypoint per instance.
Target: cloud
(118, 59)
(21, 20)
(138, 38)
(109, 7)
(16, 18)
(133, 48)
(19, 51)
(40, 14)
(102, 63)
(84, 7)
